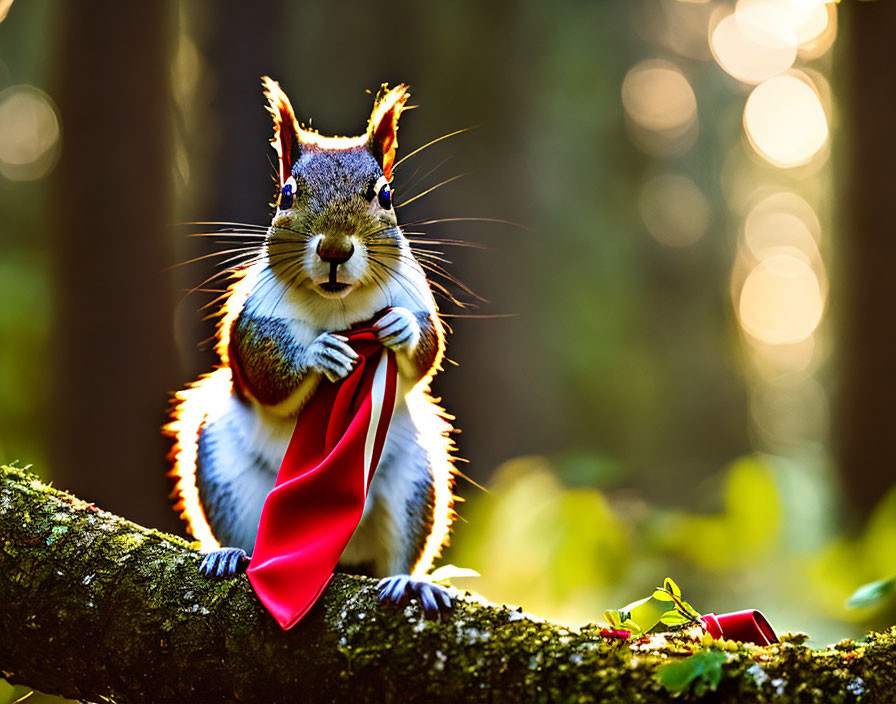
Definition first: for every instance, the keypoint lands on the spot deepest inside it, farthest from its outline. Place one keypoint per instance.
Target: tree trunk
(100, 609)
(112, 351)
(866, 412)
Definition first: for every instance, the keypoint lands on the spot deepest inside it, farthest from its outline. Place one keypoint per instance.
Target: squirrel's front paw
(398, 329)
(332, 356)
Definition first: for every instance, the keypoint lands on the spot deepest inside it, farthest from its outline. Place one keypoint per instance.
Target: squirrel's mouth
(333, 286)
(333, 289)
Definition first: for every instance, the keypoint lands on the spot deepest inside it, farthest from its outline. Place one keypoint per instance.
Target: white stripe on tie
(377, 394)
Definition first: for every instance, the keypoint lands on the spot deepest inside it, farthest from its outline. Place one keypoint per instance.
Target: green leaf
(617, 618)
(674, 618)
(872, 594)
(671, 586)
(699, 672)
(446, 573)
(621, 620)
(662, 595)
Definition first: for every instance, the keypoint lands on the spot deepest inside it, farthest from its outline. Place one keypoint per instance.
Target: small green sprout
(664, 606)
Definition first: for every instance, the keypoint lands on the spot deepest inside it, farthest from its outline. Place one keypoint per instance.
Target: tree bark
(865, 414)
(97, 608)
(112, 355)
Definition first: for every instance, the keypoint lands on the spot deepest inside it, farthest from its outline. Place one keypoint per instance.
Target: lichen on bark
(96, 608)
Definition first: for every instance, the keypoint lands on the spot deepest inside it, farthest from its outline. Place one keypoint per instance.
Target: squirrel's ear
(382, 130)
(286, 127)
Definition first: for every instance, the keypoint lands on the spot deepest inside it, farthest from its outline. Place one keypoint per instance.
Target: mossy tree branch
(96, 608)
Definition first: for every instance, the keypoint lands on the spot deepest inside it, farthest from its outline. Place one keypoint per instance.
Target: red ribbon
(318, 498)
(748, 626)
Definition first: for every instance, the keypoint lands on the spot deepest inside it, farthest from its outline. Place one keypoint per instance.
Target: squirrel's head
(334, 214)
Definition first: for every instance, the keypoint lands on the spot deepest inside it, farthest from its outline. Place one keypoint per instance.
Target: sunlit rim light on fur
(191, 411)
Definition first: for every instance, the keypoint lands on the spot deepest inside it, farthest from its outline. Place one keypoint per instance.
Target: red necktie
(318, 498)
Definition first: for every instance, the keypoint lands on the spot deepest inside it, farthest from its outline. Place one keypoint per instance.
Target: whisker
(413, 183)
(216, 275)
(410, 236)
(441, 271)
(434, 141)
(432, 257)
(424, 253)
(496, 220)
(224, 223)
(306, 235)
(230, 233)
(400, 278)
(241, 262)
(429, 190)
(243, 250)
(430, 262)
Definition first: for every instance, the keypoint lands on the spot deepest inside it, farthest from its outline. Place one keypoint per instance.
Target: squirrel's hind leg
(232, 481)
(398, 589)
(415, 482)
(224, 563)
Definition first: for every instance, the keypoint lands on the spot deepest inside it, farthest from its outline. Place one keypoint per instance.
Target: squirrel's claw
(398, 329)
(224, 563)
(332, 356)
(398, 588)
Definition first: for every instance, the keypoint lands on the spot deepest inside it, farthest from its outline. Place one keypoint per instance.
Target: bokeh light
(658, 97)
(674, 210)
(746, 58)
(782, 219)
(781, 301)
(795, 361)
(821, 42)
(768, 232)
(29, 133)
(785, 120)
(786, 21)
(661, 108)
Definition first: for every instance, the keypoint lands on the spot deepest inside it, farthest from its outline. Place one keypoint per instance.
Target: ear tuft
(286, 127)
(382, 129)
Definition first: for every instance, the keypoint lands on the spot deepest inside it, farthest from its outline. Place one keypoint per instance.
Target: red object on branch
(748, 626)
(615, 633)
(318, 498)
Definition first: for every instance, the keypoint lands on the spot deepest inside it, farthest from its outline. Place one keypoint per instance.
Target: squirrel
(333, 256)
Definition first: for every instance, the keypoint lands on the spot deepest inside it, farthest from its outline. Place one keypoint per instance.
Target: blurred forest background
(684, 364)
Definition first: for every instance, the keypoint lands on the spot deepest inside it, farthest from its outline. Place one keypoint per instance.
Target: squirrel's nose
(335, 252)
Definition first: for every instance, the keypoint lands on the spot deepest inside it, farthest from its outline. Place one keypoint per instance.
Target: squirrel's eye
(385, 197)
(287, 194)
